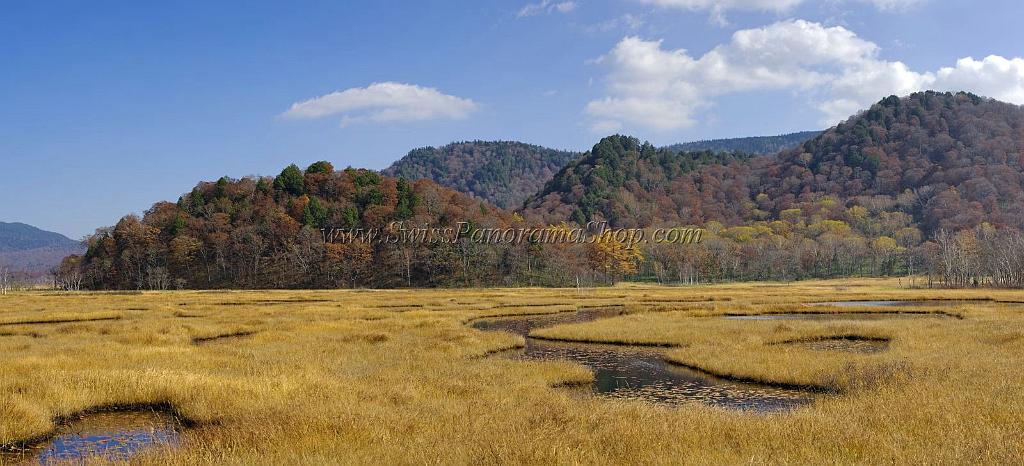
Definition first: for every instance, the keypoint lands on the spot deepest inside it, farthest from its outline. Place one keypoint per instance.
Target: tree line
(928, 185)
(267, 233)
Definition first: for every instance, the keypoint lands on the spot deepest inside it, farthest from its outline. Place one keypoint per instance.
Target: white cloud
(895, 5)
(749, 5)
(632, 21)
(718, 8)
(994, 76)
(626, 21)
(384, 102)
(867, 82)
(546, 6)
(645, 87)
(606, 127)
(663, 89)
(565, 7)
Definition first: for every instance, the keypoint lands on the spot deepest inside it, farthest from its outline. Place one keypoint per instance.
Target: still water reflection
(640, 372)
(108, 436)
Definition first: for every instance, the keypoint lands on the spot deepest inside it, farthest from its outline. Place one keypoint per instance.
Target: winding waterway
(638, 372)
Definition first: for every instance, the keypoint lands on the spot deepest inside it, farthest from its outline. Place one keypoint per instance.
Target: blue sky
(110, 106)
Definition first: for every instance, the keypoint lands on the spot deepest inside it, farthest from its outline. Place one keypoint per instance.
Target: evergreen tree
(291, 181)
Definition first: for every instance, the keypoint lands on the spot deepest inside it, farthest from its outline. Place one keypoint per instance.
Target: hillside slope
(633, 184)
(761, 145)
(945, 161)
(267, 233)
(950, 160)
(503, 173)
(507, 173)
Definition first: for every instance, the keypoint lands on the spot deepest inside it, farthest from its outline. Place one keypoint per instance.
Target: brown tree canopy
(504, 173)
(266, 233)
(948, 161)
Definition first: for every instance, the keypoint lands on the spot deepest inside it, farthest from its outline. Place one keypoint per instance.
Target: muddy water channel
(638, 372)
(107, 436)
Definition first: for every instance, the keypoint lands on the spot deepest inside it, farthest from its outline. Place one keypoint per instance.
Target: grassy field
(289, 377)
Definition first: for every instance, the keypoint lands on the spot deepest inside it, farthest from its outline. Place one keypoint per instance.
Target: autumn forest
(930, 185)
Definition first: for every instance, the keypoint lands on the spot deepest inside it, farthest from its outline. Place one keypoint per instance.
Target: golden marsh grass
(397, 377)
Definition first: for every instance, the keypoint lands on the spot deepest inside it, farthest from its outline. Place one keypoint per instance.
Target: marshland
(414, 376)
(529, 232)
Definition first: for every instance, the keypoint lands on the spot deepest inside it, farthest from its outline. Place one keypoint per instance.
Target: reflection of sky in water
(114, 436)
(641, 373)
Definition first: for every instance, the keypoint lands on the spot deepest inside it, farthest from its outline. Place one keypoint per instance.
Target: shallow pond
(111, 436)
(640, 372)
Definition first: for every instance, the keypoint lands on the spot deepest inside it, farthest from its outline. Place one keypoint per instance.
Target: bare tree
(158, 278)
(68, 275)
(5, 280)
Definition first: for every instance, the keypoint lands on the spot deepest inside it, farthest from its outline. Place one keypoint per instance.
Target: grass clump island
(399, 377)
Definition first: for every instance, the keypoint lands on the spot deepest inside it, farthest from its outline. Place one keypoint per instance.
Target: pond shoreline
(165, 408)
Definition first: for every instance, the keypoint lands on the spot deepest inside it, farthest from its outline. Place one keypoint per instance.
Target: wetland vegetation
(458, 376)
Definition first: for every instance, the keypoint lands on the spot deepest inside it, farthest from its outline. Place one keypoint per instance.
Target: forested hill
(931, 180)
(930, 160)
(265, 233)
(633, 184)
(762, 145)
(950, 160)
(504, 173)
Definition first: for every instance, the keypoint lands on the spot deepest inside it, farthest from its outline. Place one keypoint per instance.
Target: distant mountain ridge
(759, 145)
(21, 237)
(31, 251)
